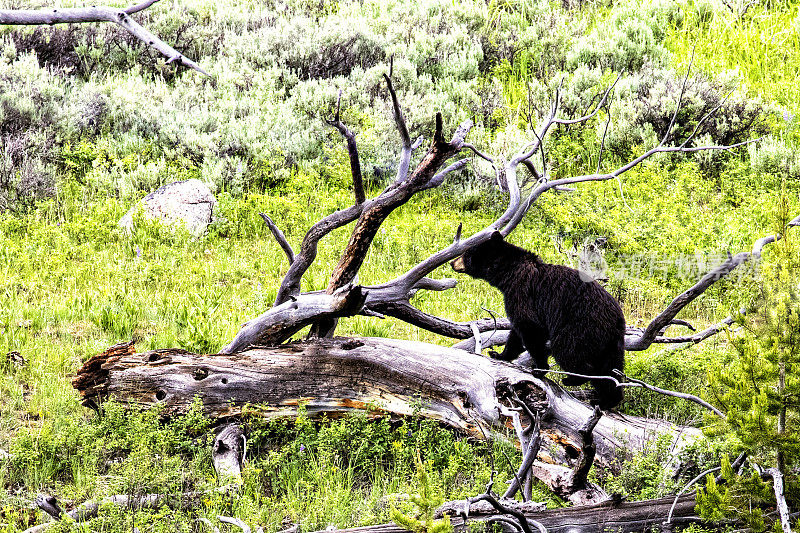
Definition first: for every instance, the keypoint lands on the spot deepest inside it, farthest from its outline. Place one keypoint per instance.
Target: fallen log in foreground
(464, 391)
(626, 517)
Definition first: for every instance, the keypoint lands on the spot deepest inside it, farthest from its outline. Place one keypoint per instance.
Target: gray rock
(187, 202)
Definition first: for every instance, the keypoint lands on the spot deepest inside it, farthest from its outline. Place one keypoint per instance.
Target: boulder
(189, 203)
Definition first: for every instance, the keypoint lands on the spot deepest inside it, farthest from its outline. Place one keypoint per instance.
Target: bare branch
(682, 300)
(476, 335)
(282, 321)
(458, 232)
(635, 383)
(780, 496)
(632, 382)
(520, 517)
(140, 7)
(477, 152)
(680, 102)
(527, 460)
(352, 150)
(98, 14)
(706, 117)
(599, 106)
(439, 177)
(408, 313)
(280, 237)
(90, 509)
(435, 284)
(701, 336)
(456, 249)
(405, 138)
(532, 169)
(489, 338)
(373, 216)
(584, 463)
(603, 144)
(290, 287)
(700, 476)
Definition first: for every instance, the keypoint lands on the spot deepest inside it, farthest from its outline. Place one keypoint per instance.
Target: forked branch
(392, 298)
(649, 335)
(352, 150)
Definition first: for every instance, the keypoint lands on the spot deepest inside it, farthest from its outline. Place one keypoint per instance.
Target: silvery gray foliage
(278, 68)
(775, 156)
(630, 38)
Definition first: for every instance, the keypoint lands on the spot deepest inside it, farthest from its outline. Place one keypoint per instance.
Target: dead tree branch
(625, 517)
(636, 383)
(780, 497)
(352, 150)
(280, 237)
(392, 298)
(90, 509)
(120, 17)
(393, 197)
(279, 323)
(682, 300)
(529, 456)
(581, 469)
(290, 286)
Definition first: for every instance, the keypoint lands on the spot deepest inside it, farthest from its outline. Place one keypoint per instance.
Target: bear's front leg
(535, 340)
(513, 347)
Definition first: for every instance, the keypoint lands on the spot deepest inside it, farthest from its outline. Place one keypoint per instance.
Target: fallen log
(626, 517)
(464, 391)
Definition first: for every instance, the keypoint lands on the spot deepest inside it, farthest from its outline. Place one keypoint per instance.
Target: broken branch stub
(390, 199)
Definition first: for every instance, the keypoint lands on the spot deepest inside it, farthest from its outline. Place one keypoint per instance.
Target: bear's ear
(497, 236)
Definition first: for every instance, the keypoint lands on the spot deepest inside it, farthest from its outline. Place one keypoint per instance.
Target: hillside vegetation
(91, 121)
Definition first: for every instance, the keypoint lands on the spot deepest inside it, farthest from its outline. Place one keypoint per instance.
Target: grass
(72, 284)
(763, 46)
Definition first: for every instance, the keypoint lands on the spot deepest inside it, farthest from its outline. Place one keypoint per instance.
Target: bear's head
(480, 260)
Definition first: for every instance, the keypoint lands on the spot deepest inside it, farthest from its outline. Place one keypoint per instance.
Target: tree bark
(464, 391)
(607, 516)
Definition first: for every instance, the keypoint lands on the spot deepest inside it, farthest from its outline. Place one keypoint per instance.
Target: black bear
(584, 324)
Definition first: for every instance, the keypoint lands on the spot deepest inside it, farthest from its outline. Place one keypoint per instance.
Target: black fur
(584, 324)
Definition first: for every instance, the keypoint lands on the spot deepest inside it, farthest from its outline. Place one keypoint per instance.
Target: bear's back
(555, 295)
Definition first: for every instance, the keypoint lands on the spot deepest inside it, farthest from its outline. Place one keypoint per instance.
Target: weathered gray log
(284, 320)
(607, 516)
(335, 376)
(228, 452)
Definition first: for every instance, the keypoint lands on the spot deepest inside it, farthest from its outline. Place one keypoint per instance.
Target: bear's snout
(458, 264)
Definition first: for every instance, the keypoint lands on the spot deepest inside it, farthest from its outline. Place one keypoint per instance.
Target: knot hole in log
(160, 395)
(352, 344)
(462, 395)
(200, 374)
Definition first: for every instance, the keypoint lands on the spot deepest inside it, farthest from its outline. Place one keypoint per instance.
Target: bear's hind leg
(608, 394)
(571, 358)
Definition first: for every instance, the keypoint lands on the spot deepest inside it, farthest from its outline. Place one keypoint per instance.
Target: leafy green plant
(738, 497)
(421, 520)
